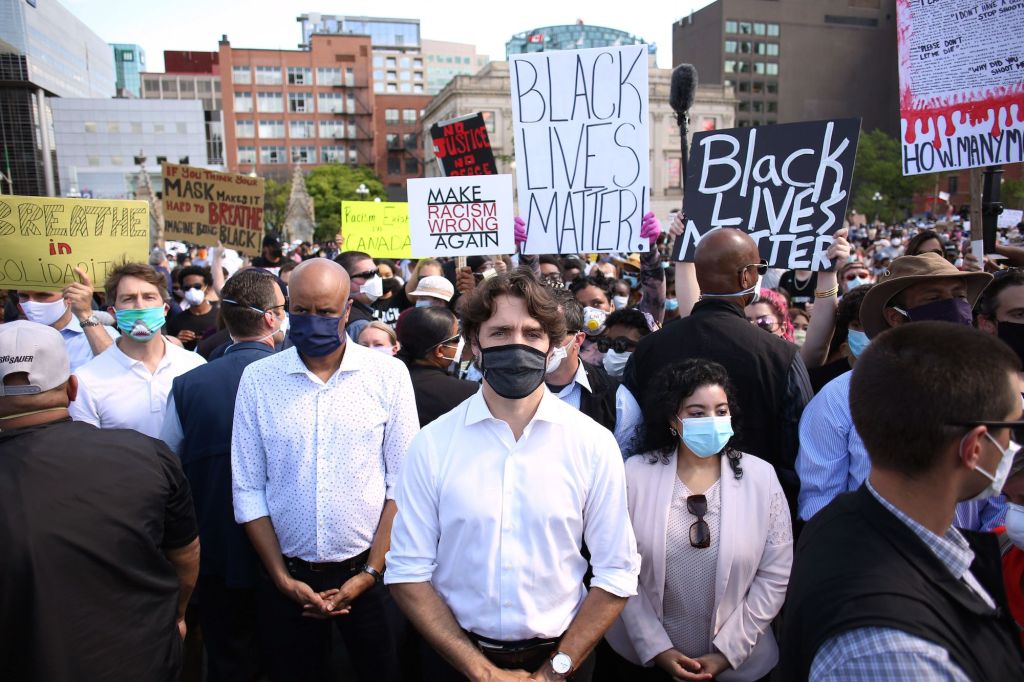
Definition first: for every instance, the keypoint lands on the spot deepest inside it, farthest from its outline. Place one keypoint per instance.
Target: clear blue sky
(198, 24)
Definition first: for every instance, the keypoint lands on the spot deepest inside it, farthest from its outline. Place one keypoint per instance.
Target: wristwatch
(373, 573)
(91, 321)
(561, 663)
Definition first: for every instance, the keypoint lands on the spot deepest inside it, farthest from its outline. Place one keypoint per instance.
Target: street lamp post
(363, 191)
(877, 198)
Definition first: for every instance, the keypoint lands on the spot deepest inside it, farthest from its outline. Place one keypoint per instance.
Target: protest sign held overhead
(786, 185)
(581, 120)
(462, 216)
(961, 68)
(205, 207)
(42, 240)
(379, 228)
(462, 147)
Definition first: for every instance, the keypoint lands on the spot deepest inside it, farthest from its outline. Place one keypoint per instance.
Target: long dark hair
(670, 388)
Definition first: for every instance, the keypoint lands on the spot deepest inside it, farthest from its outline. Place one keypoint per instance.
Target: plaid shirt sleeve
(883, 655)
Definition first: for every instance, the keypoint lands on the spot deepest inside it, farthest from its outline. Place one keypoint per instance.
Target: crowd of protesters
(319, 465)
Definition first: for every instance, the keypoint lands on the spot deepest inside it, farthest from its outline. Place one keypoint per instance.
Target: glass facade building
(570, 37)
(402, 34)
(129, 62)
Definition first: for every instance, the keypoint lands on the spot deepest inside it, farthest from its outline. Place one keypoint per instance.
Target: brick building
(298, 107)
(398, 131)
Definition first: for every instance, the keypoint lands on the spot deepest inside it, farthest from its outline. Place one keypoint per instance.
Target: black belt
(524, 653)
(353, 564)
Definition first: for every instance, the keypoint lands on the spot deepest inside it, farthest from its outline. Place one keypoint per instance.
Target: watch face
(561, 663)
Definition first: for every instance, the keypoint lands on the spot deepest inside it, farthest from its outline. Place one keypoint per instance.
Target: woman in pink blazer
(713, 530)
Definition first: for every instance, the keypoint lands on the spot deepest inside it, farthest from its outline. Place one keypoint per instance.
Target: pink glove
(520, 230)
(650, 228)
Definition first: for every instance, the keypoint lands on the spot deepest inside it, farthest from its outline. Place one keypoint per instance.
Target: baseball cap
(436, 287)
(35, 349)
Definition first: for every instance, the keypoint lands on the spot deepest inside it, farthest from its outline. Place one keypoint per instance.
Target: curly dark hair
(605, 284)
(670, 388)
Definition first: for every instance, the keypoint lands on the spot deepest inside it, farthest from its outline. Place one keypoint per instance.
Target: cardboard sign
(379, 228)
(203, 207)
(1010, 218)
(461, 216)
(582, 148)
(785, 185)
(462, 147)
(42, 240)
(961, 70)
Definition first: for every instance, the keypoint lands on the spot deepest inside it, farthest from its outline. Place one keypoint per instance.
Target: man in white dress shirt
(319, 435)
(495, 501)
(126, 386)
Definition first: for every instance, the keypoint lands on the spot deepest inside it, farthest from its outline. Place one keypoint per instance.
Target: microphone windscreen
(683, 87)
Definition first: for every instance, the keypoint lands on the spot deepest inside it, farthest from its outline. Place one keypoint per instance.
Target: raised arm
(823, 318)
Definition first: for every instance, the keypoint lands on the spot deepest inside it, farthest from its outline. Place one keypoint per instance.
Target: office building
(129, 62)
(576, 36)
(488, 92)
(798, 60)
(45, 52)
(445, 60)
(98, 141)
(192, 75)
(305, 107)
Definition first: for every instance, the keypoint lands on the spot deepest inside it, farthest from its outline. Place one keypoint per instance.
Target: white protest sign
(582, 147)
(1010, 218)
(461, 216)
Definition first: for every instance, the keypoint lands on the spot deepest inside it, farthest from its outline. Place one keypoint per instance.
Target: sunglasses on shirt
(621, 344)
(700, 531)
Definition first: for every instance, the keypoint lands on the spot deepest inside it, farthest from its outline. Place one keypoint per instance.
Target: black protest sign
(787, 186)
(462, 146)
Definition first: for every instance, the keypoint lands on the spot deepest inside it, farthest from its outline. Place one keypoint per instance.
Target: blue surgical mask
(856, 341)
(631, 280)
(423, 303)
(316, 335)
(852, 284)
(671, 304)
(706, 436)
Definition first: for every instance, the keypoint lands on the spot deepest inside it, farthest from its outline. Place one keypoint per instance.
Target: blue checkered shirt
(875, 654)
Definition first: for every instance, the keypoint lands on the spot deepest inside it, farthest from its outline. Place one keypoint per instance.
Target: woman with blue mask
(714, 535)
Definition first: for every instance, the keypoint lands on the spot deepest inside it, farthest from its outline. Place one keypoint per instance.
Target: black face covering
(513, 371)
(1012, 333)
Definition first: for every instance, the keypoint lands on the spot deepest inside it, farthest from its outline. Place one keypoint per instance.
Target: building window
(350, 106)
(410, 141)
(408, 115)
(417, 63)
(757, 107)
(392, 63)
(353, 155)
(242, 75)
(757, 87)
(247, 155)
(272, 155)
(743, 67)
(245, 129)
(392, 75)
(405, 88)
(300, 75)
(391, 115)
(378, 61)
(378, 74)
(405, 76)
(90, 126)
(417, 89)
(412, 166)
(772, 107)
(851, 21)
(743, 106)
(729, 65)
(392, 88)
(181, 128)
(304, 154)
(773, 29)
(328, 76)
(773, 88)
(158, 128)
(136, 128)
(772, 69)
(745, 27)
(329, 102)
(730, 27)
(392, 141)
(187, 86)
(93, 160)
(350, 77)
(743, 86)
(759, 68)
(954, 184)
(394, 165)
(270, 129)
(759, 28)
(270, 102)
(332, 129)
(418, 76)
(488, 121)
(405, 62)
(746, 47)
(332, 154)
(378, 87)
(731, 46)
(300, 102)
(268, 75)
(243, 102)
(771, 49)
(302, 129)
(116, 160)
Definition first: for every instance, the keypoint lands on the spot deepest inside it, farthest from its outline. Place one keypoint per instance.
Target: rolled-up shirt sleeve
(417, 527)
(248, 456)
(606, 526)
(402, 426)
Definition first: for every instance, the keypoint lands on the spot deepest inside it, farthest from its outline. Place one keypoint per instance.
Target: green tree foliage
(1012, 194)
(333, 183)
(275, 204)
(878, 170)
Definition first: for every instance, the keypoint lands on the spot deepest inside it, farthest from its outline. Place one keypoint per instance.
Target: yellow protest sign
(379, 228)
(203, 207)
(43, 239)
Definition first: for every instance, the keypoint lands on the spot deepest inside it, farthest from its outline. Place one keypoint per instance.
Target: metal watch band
(373, 572)
(91, 321)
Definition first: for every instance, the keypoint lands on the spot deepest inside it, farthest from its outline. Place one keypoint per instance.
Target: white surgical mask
(852, 284)
(44, 313)
(998, 479)
(386, 350)
(195, 296)
(557, 355)
(615, 362)
(1015, 524)
(372, 288)
(620, 302)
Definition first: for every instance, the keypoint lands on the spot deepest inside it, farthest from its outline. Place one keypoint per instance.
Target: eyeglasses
(447, 342)
(762, 267)
(253, 308)
(766, 322)
(369, 274)
(621, 344)
(700, 531)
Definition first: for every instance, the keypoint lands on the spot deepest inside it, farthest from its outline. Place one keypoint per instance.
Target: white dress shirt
(321, 458)
(628, 415)
(496, 525)
(75, 340)
(118, 392)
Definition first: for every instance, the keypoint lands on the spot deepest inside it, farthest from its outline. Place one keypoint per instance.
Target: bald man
(768, 375)
(320, 432)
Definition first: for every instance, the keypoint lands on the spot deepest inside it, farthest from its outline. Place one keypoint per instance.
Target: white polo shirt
(117, 392)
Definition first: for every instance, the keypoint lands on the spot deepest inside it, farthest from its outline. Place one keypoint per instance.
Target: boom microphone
(680, 98)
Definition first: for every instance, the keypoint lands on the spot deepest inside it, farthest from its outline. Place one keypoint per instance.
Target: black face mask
(1012, 334)
(513, 371)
